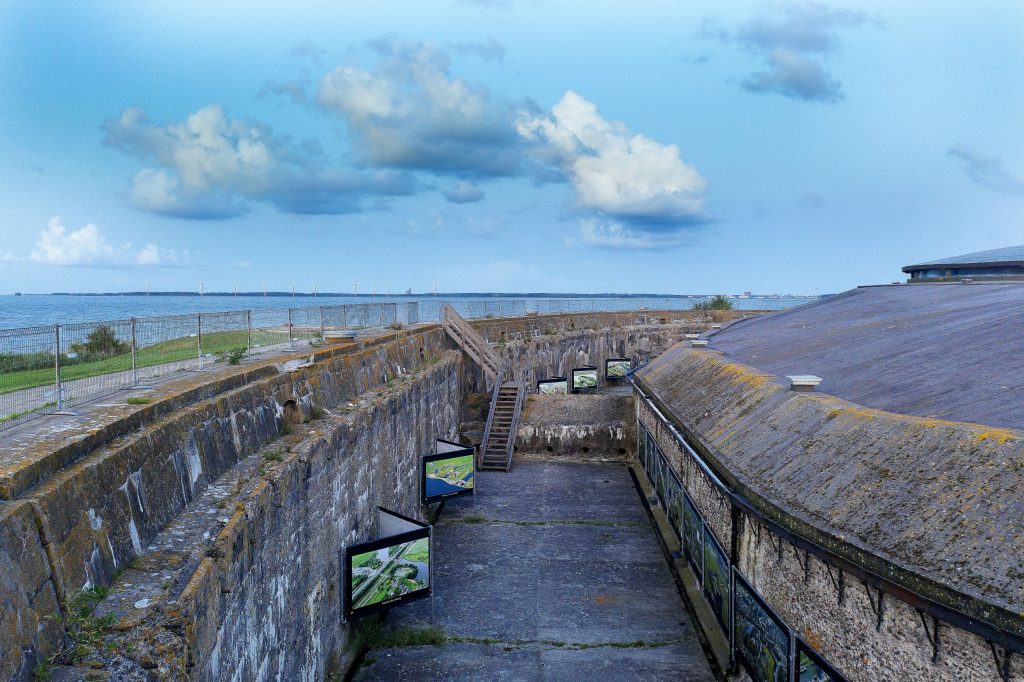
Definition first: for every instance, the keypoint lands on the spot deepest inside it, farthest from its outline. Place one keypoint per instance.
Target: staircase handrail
(471, 341)
(514, 429)
(490, 416)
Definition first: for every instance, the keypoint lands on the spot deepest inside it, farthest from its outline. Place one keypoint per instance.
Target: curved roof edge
(932, 506)
(1008, 255)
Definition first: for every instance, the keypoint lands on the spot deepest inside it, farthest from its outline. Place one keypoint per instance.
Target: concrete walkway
(550, 572)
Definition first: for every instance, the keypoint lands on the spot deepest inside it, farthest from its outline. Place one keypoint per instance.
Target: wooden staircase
(506, 397)
(502, 424)
(471, 342)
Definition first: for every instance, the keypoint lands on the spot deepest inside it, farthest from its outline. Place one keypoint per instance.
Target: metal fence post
(135, 361)
(248, 332)
(199, 338)
(289, 326)
(56, 367)
(321, 324)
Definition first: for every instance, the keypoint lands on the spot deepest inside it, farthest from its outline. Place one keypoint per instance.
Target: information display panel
(716, 579)
(584, 378)
(450, 471)
(762, 640)
(693, 536)
(811, 667)
(553, 386)
(393, 569)
(617, 368)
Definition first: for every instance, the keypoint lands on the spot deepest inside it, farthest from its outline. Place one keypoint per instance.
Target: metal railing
(51, 369)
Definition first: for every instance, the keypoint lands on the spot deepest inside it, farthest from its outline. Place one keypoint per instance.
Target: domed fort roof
(909, 458)
(950, 351)
(1009, 255)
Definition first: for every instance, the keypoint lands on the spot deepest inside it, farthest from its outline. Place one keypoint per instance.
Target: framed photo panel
(393, 569)
(761, 638)
(450, 471)
(811, 667)
(716, 580)
(584, 379)
(617, 368)
(553, 386)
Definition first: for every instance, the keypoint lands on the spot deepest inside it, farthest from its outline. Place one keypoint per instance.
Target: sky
(504, 145)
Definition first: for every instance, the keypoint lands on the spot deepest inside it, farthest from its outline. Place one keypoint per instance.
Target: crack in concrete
(556, 644)
(480, 520)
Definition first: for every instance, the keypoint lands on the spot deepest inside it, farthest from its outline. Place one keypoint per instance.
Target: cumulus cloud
(792, 41)
(87, 246)
(211, 167)
(462, 192)
(625, 176)
(410, 113)
(153, 255)
(987, 171)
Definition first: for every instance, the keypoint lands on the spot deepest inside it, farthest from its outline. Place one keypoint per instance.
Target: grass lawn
(148, 356)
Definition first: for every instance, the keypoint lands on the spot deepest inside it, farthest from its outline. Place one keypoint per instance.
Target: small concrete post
(289, 326)
(135, 361)
(321, 324)
(199, 338)
(248, 332)
(56, 366)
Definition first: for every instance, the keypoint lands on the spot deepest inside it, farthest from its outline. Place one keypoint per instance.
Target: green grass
(137, 401)
(183, 348)
(15, 415)
(373, 635)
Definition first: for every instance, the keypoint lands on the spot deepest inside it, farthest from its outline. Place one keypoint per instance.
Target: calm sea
(38, 310)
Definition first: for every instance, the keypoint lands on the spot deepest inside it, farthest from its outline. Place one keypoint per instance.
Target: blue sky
(504, 145)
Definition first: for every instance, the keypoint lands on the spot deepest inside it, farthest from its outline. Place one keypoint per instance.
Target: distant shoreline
(330, 294)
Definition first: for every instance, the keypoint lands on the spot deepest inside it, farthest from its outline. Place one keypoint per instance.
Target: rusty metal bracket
(805, 563)
(1002, 662)
(932, 634)
(838, 582)
(879, 607)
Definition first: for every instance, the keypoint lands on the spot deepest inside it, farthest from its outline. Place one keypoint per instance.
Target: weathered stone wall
(715, 507)
(577, 427)
(542, 346)
(96, 515)
(716, 406)
(269, 604)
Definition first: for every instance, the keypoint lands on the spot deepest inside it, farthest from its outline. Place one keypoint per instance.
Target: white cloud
(151, 254)
(600, 235)
(410, 112)
(7, 256)
(210, 166)
(624, 175)
(86, 246)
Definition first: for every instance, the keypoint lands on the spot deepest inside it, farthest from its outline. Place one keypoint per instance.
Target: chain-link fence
(48, 369)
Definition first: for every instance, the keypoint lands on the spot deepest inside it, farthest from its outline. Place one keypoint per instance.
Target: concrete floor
(550, 572)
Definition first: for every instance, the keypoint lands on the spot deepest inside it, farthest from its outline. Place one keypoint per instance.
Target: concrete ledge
(577, 427)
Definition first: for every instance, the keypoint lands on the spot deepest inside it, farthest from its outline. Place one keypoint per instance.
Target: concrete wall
(270, 604)
(839, 622)
(577, 427)
(93, 517)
